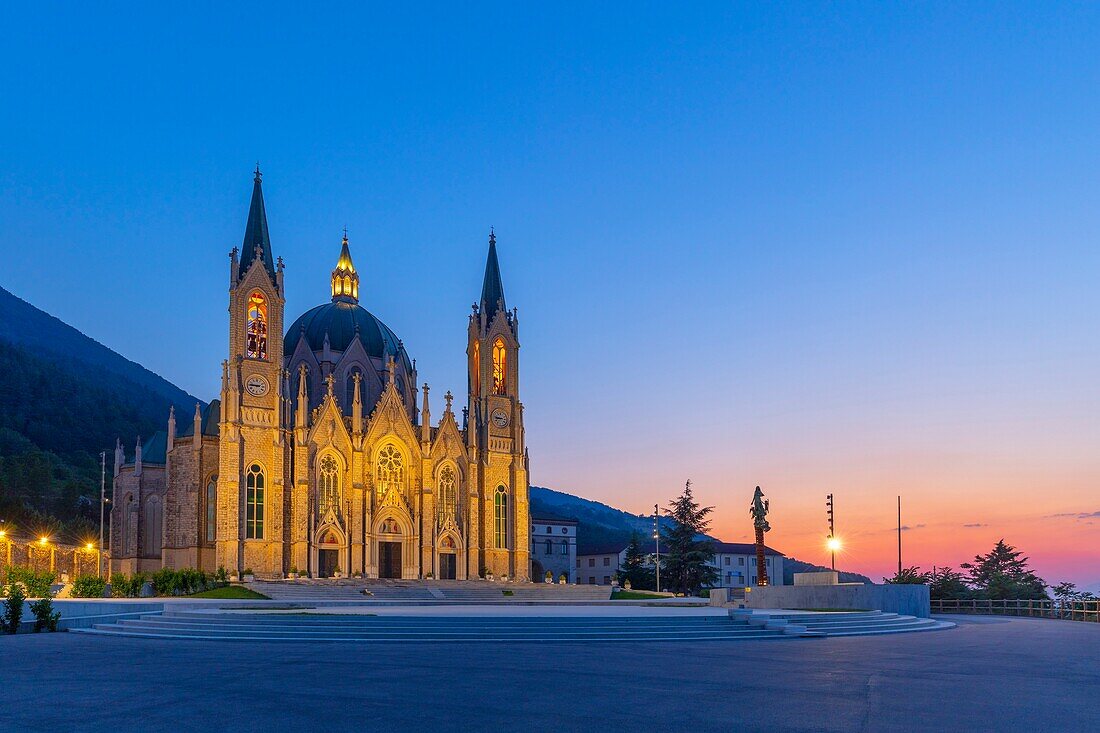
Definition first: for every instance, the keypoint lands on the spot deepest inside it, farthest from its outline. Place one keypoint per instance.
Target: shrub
(127, 587)
(44, 615)
(248, 571)
(88, 586)
(221, 577)
(37, 585)
(13, 608)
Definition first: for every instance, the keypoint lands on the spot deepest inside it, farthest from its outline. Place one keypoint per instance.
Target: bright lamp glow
(89, 546)
(833, 543)
(43, 540)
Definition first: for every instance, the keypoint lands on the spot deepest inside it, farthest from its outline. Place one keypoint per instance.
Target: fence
(1069, 610)
(65, 561)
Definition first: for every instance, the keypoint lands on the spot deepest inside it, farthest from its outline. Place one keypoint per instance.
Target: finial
(449, 398)
(258, 174)
(330, 381)
(391, 365)
(492, 235)
(345, 235)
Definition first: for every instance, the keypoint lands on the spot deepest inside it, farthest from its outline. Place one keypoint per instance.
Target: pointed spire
(257, 243)
(345, 281)
(492, 289)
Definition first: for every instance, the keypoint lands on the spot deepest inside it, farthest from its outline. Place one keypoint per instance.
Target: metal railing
(1068, 610)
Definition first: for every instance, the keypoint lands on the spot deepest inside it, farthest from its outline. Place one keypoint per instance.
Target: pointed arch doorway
(389, 550)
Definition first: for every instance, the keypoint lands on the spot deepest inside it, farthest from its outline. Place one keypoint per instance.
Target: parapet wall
(911, 600)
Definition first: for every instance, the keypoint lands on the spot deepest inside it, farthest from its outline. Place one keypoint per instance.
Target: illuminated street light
(43, 540)
(89, 547)
(833, 543)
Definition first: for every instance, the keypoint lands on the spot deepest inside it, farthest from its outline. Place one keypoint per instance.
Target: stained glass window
(500, 367)
(501, 506)
(329, 483)
(254, 503)
(475, 372)
(448, 498)
(257, 327)
(212, 509)
(391, 470)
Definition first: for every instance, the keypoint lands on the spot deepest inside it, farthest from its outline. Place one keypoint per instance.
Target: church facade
(320, 455)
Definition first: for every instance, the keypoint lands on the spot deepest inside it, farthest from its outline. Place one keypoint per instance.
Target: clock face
(256, 386)
(500, 418)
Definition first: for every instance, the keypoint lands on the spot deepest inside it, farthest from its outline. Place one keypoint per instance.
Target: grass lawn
(634, 595)
(238, 592)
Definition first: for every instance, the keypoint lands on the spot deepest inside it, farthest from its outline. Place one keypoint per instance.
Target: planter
(249, 578)
(292, 576)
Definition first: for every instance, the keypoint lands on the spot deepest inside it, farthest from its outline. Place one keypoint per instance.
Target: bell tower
(496, 417)
(253, 453)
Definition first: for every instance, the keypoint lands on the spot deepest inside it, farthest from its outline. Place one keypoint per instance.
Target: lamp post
(102, 502)
(657, 540)
(832, 541)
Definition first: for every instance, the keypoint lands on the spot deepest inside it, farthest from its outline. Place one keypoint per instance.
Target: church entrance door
(389, 559)
(327, 562)
(448, 567)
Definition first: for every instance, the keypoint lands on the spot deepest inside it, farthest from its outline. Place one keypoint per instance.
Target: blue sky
(818, 247)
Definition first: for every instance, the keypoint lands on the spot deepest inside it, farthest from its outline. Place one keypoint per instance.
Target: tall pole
(102, 501)
(832, 529)
(657, 539)
(899, 536)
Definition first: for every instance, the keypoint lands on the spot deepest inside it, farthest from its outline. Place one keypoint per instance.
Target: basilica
(320, 456)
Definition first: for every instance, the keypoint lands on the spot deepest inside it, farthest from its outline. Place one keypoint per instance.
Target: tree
(909, 576)
(1003, 573)
(1065, 592)
(634, 567)
(687, 564)
(947, 584)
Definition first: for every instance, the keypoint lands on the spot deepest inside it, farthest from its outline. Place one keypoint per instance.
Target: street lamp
(833, 543)
(657, 540)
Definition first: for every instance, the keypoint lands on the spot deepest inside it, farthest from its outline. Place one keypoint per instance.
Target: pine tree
(634, 567)
(947, 584)
(687, 562)
(1003, 573)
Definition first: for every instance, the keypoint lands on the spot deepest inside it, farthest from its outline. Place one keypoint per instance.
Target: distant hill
(602, 525)
(64, 398)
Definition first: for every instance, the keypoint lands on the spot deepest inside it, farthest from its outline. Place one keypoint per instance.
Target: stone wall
(911, 600)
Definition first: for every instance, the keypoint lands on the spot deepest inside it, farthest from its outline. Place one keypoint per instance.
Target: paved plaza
(989, 674)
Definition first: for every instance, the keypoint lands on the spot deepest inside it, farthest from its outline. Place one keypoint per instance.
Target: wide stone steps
(350, 628)
(469, 591)
(343, 627)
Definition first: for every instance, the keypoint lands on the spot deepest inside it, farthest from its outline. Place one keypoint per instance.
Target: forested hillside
(63, 399)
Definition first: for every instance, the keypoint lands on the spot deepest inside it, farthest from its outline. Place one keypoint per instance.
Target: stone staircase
(359, 628)
(853, 623)
(460, 591)
(305, 626)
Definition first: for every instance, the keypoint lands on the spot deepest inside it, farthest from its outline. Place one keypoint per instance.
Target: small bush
(44, 615)
(248, 571)
(37, 585)
(88, 586)
(13, 608)
(123, 586)
(221, 577)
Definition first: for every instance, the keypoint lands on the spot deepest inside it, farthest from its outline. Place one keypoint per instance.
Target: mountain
(65, 397)
(601, 525)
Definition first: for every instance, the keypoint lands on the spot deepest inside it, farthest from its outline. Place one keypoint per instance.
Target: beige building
(320, 454)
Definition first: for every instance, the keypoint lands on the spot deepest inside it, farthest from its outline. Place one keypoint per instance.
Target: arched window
(448, 497)
(391, 470)
(501, 505)
(500, 367)
(351, 389)
(329, 483)
(254, 503)
(475, 370)
(151, 527)
(212, 509)
(549, 547)
(565, 547)
(257, 326)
